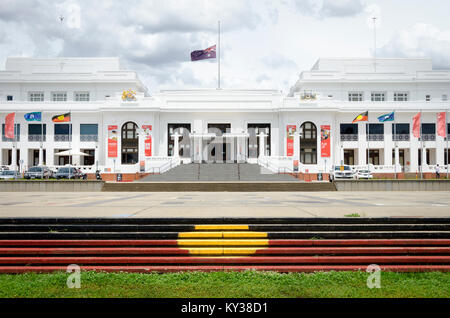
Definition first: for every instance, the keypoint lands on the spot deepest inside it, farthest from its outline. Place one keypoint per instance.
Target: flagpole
(395, 148)
(218, 59)
(368, 142)
(446, 138)
(421, 146)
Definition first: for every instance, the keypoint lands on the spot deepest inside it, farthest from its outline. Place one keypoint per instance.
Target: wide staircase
(224, 244)
(219, 172)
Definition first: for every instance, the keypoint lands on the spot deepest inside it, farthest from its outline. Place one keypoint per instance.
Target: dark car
(68, 173)
(38, 173)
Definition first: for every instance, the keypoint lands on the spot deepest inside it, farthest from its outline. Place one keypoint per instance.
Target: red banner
(416, 125)
(290, 130)
(9, 125)
(112, 141)
(325, 143)
(441, 121)
(148, 146)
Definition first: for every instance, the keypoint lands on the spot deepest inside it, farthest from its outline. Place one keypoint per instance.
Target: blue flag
(35, 116)
(386, 117)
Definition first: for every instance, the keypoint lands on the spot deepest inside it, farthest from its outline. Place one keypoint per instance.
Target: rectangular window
(37, 132)
(401, 96)
(428, 129)
(59, 96)
(81, 96)
(378, 96)
(88, 132)
(63, 132)
(400, 129)
(16, 133)
(349, 129)
(36, 96)
(355, 96)
(9, 98)
(444, 97)
(428, 98)
(375, 129)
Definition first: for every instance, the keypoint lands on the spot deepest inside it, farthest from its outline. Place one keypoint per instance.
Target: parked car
(38, 173)
(9, 174)
(82, 174)
(364, 174)
(341, 172)
(3, 168)
(68, 173)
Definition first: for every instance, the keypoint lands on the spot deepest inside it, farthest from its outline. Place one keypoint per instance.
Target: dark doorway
(253, 139)
(184, 142)
(217, 148)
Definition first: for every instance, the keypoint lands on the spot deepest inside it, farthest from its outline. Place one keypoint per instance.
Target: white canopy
(71, 152)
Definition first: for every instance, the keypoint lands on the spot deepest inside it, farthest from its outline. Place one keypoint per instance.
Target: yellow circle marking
(222, 227)
(223, 242)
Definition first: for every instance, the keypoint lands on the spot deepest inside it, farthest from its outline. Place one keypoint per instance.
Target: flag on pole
(416, 125)
(441, 121)
(386, 117)
(9, 125)
(361, 117)
(209, 53)
(34, 116)
(64, 118)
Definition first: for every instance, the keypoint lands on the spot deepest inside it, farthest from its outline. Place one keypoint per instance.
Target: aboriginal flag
(209, 53)
(361, 117)
(64, 118)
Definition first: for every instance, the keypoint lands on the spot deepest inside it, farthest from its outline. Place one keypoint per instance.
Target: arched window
(308, 143)
(130, 144)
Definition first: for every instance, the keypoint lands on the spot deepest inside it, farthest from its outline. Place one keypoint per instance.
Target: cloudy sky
(265, 43)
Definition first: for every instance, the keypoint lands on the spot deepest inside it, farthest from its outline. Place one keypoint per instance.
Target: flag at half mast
(361, 117)
(209, 53)
(64, 118)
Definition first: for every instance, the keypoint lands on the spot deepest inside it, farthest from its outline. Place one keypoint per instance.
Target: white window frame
(355, 96)
(81, 96)
(401, 96)
(59, 96)
(33, 96)
(378, 96)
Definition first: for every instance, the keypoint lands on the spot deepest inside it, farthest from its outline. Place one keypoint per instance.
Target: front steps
(222, 244)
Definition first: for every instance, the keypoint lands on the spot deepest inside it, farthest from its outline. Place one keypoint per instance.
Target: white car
(341, 172)
(364, 174)
(9, 174)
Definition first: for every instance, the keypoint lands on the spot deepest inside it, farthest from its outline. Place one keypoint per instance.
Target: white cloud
(421, 40)
(330, 8)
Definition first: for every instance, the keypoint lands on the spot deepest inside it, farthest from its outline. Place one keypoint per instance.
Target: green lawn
(227, 284)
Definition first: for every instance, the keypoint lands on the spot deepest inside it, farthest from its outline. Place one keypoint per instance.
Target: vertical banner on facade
(112, 141)
(441, 122)
(148, 139)
(290, 130)
(9, 125)
(325, 145)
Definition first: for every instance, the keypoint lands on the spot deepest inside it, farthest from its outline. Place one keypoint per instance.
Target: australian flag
(209, 53)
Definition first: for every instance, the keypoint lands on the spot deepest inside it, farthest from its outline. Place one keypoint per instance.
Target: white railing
(277, 164)
(169, 163)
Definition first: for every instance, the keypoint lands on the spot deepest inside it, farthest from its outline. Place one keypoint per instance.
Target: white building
(224, 125)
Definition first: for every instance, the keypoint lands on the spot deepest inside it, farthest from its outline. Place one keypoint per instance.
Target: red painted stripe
(88, 242)
(357, 242)
(229, 260)
(352, 250)
(181, 251)
(342, 242)
(167, 269)
(93, 251)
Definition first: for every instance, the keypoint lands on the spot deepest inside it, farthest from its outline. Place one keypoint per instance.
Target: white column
(424, 157)
(414, 155)
(176, 146)
(262, 145)
(440, 150)
(297, 146)
(14, 158)
(362, 145)
(41, 156)
(388, 145)
(397, 157)
(341, 155)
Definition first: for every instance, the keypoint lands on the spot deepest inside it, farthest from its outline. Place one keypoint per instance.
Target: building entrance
(218, 149)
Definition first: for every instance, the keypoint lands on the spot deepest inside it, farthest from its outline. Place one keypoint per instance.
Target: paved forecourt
(224, 204)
